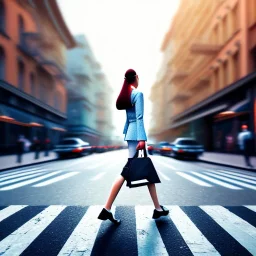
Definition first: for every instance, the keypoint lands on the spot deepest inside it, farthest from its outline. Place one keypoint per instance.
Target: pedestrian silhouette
(20, 148)
(245, 141)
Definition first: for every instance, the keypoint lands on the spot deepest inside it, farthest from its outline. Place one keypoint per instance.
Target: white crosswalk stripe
(148, 238)
(82, 238)
(243, 184)
(20, 239)
(193, 179)
(56, 179)
(195, 240)
(241, 230)
(237, 174)
(20, 175)
(236, 177)
(221, 183)
(21, 184)
(10, 210)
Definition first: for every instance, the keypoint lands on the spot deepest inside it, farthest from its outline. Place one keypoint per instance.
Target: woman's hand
(141, 145)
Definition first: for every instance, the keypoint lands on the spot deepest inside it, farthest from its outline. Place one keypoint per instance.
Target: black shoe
(158, 214)
(106, 215)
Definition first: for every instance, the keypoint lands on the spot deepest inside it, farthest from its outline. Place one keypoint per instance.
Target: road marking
(165, 164)
(98, 176)
(20, 175)
(236, 174)
(17, 173)
(19, 179)
(82, 239)
(238, 178)
(56, 179)
(240, 229)
(21, 184)
(149, 240)
(163, 175)
(10, 210)
(233, 181)
(224, 184)
(251, 207)
(20, 239)
(196, 241)
(193, 179)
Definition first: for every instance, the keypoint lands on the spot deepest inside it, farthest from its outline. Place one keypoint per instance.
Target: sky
(123, 34)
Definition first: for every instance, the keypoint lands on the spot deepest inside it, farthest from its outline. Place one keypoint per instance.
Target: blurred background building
(206, 86)
(89, 96)
(33, 98)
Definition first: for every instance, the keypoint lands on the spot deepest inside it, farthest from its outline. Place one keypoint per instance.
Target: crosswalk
(75, 230)
(36, 176)
(220, 178)
(45, 175)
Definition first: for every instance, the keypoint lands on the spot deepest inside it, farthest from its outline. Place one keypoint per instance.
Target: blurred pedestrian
(20, 148)
(37, 147)
(245, 141)
(47, 143)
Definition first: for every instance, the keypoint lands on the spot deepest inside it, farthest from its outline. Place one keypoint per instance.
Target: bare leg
(114, 191)
(152, 191)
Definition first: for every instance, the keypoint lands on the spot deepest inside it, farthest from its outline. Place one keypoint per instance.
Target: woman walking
(132, 101)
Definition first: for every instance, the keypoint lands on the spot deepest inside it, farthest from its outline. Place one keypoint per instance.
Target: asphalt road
(52, 209)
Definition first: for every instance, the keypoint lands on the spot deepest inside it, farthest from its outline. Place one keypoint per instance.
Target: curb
(228, 165)
(26, 165)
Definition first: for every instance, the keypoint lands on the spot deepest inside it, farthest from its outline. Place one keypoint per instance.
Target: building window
(57, 101)
(2, 16)
(236, 65)
(2, 63)
(21, 28)
(32, 85)
(236, 18)
(21, 75)
(225, 73)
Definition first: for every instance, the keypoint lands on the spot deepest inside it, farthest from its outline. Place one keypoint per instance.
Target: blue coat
(134, 125)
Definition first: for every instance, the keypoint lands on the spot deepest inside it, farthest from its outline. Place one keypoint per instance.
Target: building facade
(89, 115)
(33, 41)
(212, 72)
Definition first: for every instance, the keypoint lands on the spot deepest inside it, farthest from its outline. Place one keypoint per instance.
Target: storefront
(21, 114)
(216, 121)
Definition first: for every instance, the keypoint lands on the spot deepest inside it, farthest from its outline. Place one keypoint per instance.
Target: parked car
(163, 148)
(186, 147)
(72, 147)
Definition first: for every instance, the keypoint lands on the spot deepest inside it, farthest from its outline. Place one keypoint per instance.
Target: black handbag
(141, 170)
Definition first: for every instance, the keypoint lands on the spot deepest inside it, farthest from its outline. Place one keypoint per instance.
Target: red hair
(124, 99)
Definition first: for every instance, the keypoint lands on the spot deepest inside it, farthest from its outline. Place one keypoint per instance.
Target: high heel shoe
(158, 214)
(106, 215)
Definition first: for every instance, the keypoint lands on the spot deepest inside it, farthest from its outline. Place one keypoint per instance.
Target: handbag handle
(141, 153)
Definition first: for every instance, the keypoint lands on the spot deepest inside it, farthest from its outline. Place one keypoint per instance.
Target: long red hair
(124, 99)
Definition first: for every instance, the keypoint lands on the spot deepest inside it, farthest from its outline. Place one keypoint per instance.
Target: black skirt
(153, 176)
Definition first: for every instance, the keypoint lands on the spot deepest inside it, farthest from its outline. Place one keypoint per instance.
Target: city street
(52, 208)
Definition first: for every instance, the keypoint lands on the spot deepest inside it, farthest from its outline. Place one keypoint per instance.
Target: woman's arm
(139, 112)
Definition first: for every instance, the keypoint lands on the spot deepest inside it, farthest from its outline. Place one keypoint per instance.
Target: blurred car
(150, 148)
(164, 148)
(72, 147)
(186, 147)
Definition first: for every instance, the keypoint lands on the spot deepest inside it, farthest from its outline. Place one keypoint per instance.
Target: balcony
(201, 83)
(29, 44)
(180, 96)
(54, 69)
(179, 75)
(205, 48)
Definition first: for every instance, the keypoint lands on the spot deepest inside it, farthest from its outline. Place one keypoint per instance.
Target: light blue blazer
(134, 125)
